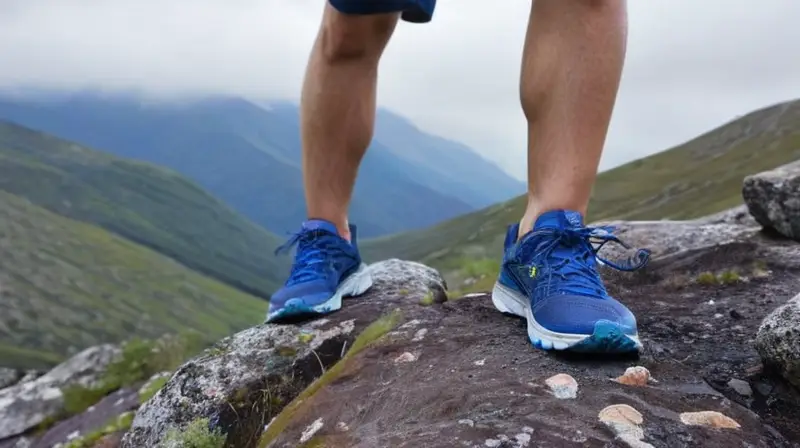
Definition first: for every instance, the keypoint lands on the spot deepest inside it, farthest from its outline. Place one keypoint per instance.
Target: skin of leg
(571, 68)
(337, 108)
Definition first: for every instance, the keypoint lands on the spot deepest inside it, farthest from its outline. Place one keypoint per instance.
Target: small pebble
(310, 430)
(621, 413)
(405, 357)
(712, 419)
(635, 376)
(741, 387)
(563, 386)
(624, 421)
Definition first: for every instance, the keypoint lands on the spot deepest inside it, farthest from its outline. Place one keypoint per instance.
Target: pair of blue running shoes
(549, 277)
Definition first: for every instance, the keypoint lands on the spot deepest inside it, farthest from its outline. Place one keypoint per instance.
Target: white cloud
(691, 64)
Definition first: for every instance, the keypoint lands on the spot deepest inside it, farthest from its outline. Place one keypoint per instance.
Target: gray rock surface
(30, 375)
(736, 215)
(773, 198)
(778, 340)
(9, 377)
(27, 404)
(244, 381)
(668, 238)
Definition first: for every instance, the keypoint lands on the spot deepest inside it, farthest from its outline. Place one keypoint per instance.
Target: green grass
(196, 435)
(67, 285)
(695, 179)
(144, 203)
(152, 389)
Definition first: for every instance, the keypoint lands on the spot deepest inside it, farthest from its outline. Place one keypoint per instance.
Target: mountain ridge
(248, 156)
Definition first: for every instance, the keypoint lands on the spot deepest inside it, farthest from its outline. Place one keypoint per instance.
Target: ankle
(532, 211)
(535, 209)
(342, 225)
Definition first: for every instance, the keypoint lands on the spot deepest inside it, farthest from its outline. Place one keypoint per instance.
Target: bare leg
(571, 68)
(338, 109)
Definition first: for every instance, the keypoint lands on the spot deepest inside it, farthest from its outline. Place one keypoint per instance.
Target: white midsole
(509, 301)
(356, 284)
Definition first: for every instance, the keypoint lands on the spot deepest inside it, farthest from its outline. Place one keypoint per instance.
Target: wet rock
(246, 379)
(778, 340)
(773, 198)
(635, 376)
(711, 419)
(25, 405)
(741, 387)
(563, 386)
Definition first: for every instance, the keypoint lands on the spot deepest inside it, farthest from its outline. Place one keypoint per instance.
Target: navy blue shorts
(416, 11)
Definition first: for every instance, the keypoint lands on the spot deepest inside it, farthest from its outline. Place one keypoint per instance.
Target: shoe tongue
(559, 219)
(320, 224)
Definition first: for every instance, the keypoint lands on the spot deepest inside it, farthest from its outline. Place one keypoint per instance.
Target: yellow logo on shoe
(533, 271)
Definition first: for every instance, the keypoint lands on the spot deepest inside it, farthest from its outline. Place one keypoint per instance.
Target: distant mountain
(697, 178)
(448, 166)
(150, 205)
(249, 156)
(67, 285)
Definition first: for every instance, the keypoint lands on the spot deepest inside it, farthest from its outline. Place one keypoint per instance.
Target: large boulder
(773, 198)
(245, 380)
(778, 340)
(27, 404)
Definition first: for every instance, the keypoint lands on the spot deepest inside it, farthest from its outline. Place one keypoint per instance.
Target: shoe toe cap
(308, 293)
(575, 314)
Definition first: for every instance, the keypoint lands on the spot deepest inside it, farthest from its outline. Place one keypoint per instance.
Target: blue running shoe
(550, 278)
(326, 268)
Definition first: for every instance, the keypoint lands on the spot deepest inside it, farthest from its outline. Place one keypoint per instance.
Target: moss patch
(196, 435)
(725, 277)
(427, 299)
(152, 388)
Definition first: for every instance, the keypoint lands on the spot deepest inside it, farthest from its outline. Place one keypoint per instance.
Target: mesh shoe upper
(555, 266)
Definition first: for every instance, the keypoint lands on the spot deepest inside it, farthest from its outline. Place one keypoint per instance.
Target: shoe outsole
(293, 309)
(607, 337)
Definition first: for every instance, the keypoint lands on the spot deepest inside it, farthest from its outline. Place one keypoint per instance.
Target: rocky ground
(460, 374)
(407, 366)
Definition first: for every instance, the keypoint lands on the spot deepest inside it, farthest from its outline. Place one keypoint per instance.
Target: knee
(348, 37)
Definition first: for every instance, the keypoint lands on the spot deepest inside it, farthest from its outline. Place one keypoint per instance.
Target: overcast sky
(692, 64)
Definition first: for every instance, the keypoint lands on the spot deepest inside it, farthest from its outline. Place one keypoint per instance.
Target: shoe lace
(310, 258)
(575, 268)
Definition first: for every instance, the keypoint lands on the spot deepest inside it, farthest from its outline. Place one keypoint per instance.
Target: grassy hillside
(697, 178)
(144, 203)
(66, 285)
